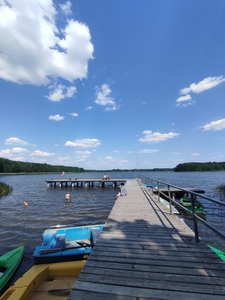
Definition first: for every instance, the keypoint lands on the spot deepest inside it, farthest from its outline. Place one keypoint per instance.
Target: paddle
(53, 250)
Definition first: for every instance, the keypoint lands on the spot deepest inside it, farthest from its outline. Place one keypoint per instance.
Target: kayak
(46, 281)
(220, 253)
(60, 243)
(9, 263)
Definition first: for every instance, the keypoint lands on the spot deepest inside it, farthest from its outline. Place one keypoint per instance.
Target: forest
(200, 167)
(10, 166)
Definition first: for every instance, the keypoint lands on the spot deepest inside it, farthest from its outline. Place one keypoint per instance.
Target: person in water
(25, 203)
(67, 197)
(123, 191)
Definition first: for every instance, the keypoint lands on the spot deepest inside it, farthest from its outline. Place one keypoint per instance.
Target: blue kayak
(60, 244)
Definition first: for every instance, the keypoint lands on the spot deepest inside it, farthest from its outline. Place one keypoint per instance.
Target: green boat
(9, 263)
(220, 253)
(186, 202)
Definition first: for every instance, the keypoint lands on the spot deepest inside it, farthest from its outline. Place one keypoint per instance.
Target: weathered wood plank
(144, 252)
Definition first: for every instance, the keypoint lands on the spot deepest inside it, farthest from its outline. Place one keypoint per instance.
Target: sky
(112, 84)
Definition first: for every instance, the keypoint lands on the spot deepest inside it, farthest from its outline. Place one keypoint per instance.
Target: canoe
(60, 243)
(186, 202)
(9, 263)
(46, 281)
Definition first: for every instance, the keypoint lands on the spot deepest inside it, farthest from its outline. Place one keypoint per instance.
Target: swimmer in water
(25, 203)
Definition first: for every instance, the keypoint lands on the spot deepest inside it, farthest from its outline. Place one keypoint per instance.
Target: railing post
(193, 198)
(170, 199)
(158, 191)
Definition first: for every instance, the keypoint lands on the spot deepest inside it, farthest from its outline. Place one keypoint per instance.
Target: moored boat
(60, 244)
(220, 253)
(186, 202)
(9, 263)
(45, 281)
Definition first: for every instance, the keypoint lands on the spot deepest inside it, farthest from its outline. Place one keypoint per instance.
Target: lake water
(46, 206)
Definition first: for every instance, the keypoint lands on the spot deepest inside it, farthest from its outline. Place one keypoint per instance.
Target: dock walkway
(144, 252)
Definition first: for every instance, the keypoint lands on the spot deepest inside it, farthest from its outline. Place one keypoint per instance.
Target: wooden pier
(144, 252)
(83, 182)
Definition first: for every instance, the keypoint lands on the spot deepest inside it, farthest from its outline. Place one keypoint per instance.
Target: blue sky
(104, 84)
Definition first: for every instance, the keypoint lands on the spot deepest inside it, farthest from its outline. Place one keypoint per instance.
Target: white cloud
(184, 100)
(195, 154)
(156, 137)
(85, 152)
(42, 153)
(32, 50)
(74, 114)
(66, 8)
(60, 92)
(146, 151)
(84, 143)
(89, 107)
(203, 85)
(215, 125)
(56, 118)
(102, 98)
(16, 150)
(15, 141)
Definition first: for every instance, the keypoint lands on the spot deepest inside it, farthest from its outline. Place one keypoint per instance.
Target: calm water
(19, 224)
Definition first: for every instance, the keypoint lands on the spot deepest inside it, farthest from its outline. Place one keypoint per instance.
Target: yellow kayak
(45, 281)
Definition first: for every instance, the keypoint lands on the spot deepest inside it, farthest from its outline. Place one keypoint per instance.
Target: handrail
(196, 218)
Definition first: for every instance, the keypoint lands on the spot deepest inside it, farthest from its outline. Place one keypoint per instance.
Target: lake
(46, 206)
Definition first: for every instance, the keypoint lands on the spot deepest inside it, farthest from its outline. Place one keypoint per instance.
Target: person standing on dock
(123, 191)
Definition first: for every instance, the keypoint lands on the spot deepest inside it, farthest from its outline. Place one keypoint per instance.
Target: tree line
(10, 166)
(200, 167)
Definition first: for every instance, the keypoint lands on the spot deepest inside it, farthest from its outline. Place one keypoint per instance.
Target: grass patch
(221, 190)
(5, 189)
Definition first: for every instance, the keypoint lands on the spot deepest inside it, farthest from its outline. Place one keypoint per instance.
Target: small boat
(9, 263)
(220, 253)
(186, 202)
(167, 205)
(60, 243)
(46, 281)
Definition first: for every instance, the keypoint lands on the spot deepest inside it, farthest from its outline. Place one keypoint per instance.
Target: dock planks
(144, 252)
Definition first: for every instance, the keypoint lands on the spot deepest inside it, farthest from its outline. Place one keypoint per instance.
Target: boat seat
(60, 241)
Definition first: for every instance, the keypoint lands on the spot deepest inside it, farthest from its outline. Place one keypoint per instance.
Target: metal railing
(171, 199)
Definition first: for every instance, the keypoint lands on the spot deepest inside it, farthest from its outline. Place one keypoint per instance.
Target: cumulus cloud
(42, 153)
(84, 143)
(215, 125)
(85, 152)
(74, 114)
(155, 137)
(34, 49)
(184, 100)
(60, 92)
(15, 141)
(89, 107)
(203, 85)
(66, 7)
(103, 98)
(16, 150)
(146, 151)
(56, 117)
